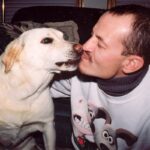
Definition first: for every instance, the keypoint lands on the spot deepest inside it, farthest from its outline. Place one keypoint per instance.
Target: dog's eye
(47, 40)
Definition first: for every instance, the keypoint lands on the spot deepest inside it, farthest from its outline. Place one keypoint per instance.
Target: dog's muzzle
(76, 53)
(78, 49)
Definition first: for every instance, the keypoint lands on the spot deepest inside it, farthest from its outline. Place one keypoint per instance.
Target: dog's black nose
(78, 48)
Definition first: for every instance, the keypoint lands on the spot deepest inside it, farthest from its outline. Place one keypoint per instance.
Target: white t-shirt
(122, 121)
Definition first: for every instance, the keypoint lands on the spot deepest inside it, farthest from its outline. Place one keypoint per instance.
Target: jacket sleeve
(61, 88)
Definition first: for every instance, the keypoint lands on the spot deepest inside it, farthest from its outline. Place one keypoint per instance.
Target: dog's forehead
(41, 33)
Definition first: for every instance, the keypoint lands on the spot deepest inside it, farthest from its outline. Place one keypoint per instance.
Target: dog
(27, 66)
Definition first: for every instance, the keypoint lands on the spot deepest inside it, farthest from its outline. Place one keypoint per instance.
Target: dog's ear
(11, 55)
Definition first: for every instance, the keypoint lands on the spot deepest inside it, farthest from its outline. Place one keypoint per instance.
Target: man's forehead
(112, 27)
(113, 20)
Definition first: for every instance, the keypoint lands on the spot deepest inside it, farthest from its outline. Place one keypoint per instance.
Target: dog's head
(41, 48)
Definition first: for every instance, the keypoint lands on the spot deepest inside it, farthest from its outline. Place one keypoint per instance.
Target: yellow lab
(26, 68)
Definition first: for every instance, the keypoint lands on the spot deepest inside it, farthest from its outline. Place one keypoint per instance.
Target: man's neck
(122, 85)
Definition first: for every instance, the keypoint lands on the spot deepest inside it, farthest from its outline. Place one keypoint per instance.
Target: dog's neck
(26, 81)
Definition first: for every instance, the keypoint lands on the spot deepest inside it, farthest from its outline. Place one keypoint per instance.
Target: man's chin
(83, 69)
(86, 71)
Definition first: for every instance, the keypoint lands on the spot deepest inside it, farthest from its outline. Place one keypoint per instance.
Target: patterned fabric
(80, 143)
(117, 123)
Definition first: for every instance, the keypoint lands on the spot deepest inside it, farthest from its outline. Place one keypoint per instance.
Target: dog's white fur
(26, 68)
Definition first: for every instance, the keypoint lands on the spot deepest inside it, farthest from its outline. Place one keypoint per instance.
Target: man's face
(102, 53)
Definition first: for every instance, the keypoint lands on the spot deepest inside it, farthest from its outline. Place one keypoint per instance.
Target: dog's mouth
(70, 62)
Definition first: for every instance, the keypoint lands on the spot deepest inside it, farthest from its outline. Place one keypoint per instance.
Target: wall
(95, 3)
(140, 2)
(11, 6)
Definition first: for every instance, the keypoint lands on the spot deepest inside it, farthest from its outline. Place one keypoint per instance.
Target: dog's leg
(28, 144)
(49, 136)
(23, 140)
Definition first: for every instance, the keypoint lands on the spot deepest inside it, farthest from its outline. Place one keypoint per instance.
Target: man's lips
(85, 56)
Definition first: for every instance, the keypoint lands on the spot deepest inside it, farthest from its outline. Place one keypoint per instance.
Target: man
(111, 107)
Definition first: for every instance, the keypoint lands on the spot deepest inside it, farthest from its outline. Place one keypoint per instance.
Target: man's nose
(78, 48)
(89, 45)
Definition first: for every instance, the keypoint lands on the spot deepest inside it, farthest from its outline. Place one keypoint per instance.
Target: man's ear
(132, 64)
